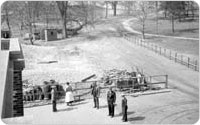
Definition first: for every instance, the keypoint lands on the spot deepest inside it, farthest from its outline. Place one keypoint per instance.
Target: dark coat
(53, 95)
(111, 97)
(124, 105)
(96, 91)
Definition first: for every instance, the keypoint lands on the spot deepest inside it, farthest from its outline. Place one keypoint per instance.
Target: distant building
(50, 34)
(5, 34)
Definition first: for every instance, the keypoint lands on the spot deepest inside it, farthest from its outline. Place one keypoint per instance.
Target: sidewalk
(81, 113)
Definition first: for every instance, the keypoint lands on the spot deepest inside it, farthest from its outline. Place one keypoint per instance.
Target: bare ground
(103, 49)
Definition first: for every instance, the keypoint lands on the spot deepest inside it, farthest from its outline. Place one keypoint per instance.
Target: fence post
(196, 65)
(181, 59)
(160, 50)
(170, 54)
(156, 49)
(150, 83)
(135, 39)
(175, 57)
(166, 84)
(188, 62)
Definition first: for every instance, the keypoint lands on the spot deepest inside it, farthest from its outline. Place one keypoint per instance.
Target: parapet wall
(12, 64)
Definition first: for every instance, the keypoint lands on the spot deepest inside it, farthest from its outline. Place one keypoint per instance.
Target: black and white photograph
(99, 62)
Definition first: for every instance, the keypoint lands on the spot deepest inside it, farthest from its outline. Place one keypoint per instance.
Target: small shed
(49, 34)
(5, 34)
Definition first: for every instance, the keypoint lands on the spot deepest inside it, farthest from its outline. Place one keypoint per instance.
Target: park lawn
(183, 29)
(186, 47)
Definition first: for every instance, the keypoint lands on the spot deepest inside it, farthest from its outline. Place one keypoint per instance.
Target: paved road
(81, 113)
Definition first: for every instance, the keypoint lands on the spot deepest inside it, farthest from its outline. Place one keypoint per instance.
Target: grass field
(188, 29)
(183, 29)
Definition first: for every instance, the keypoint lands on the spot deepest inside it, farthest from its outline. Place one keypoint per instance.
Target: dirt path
(126, 25)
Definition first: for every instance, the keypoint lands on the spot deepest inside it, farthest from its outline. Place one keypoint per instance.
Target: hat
(122, 95)
(52, 80)
(53, 87)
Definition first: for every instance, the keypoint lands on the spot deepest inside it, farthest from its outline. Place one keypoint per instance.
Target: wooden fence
(172, 55)
(82, 90)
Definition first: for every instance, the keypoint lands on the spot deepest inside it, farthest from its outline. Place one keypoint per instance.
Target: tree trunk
(156, 17)
(7, 21)
(30, 35)
(7, 18)
(143, 30)
(30, 23)
(106, 10)
(64, 29)
(62, 6)
(115, 10)
(173, 23)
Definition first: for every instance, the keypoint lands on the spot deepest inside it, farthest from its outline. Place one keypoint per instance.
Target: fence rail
(84, 92)
(172, 55)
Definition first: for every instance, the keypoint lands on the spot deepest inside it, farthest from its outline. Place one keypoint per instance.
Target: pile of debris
(124, 79)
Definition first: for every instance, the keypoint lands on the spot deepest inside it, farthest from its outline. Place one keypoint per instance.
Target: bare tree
(156, 4)
(6, 12)
(114, 4)
(143, 9)
(63, 6)
(106, 2)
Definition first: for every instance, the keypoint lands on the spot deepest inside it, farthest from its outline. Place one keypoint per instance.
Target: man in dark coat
(96, 94)
(111, 98)
(54, 98)
(124, 108)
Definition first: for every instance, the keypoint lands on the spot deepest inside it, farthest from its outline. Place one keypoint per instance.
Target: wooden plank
(87, 78)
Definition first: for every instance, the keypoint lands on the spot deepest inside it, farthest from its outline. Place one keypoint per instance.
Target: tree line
(25, 14)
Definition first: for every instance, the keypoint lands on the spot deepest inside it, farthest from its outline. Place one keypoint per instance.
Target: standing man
(53, 98)
(97, 95)
(124, 108)
(111, 98)
(93, 86)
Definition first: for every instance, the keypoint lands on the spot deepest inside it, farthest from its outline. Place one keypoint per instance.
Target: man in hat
(97, 95)
(93, 93)
(111, 98)
(54, 97)
(124, 108)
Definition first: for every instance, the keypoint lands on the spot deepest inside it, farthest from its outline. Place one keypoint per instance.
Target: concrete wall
(11, 96)
(8, 101)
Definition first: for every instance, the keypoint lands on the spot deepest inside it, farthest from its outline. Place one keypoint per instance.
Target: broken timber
(87, 78)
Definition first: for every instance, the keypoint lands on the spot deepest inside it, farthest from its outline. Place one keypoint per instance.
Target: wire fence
(172, 55)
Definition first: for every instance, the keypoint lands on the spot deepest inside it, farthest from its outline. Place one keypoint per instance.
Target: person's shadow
(79, 103)
(137, 118)
(105, 106)
(128, 113)
(66, 109)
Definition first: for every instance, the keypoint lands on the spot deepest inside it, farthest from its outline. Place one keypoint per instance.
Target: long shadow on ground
(79, 103)
(137, 118)
(128, 113)
(66, 109)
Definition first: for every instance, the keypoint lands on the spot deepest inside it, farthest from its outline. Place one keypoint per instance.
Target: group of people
(111, 99)
(69, 97)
